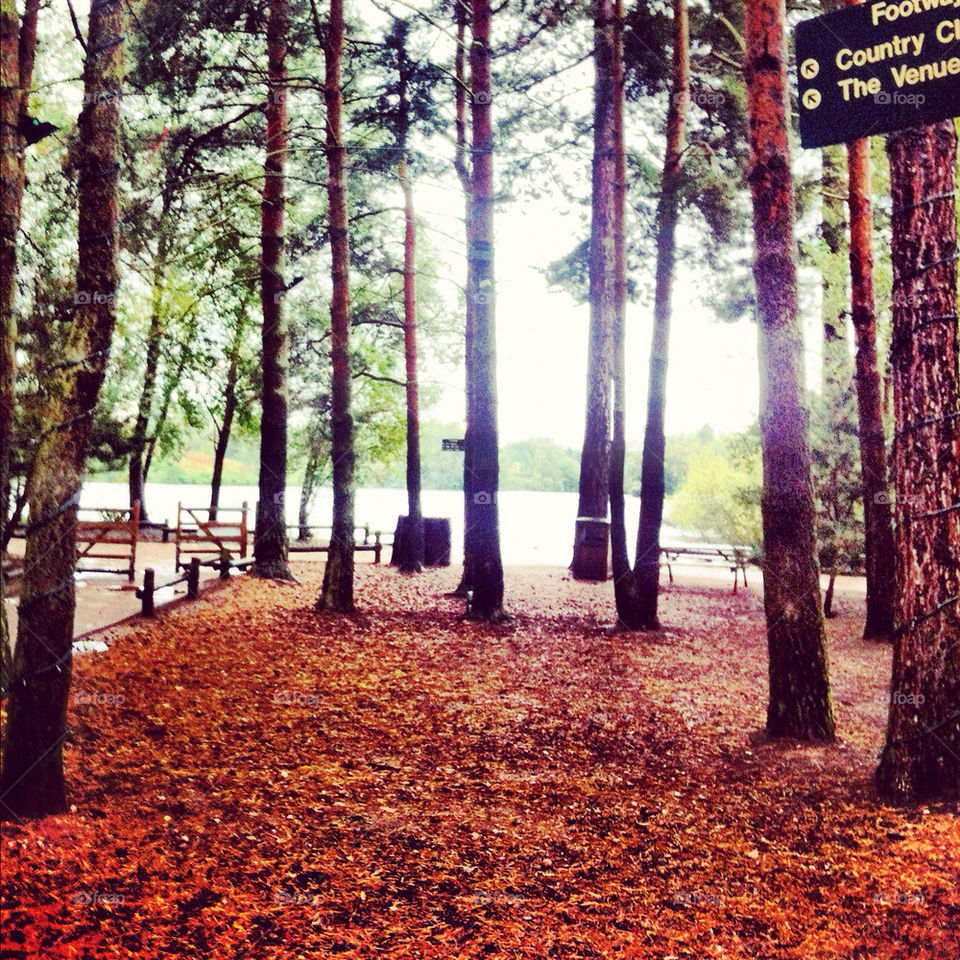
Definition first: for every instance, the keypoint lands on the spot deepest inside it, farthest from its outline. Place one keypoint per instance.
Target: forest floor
(252, 779)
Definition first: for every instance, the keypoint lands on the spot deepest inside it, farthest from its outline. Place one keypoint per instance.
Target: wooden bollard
(193, 578)
(146, 595)
(224, 564)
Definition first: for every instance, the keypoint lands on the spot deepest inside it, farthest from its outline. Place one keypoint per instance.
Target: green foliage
(835, 451)
(720, 496)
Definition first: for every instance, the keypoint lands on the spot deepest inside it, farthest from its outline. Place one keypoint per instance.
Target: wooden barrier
(199, 536)
(364, 545)
(115, 532)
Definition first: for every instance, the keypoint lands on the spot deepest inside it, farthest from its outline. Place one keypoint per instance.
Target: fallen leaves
(269, 782)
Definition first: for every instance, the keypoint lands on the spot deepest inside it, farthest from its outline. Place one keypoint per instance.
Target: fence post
(146, 596)
(193, 578)
(224, 564)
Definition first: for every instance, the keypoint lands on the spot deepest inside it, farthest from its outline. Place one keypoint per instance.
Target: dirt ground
(252, 779)
(105, 599)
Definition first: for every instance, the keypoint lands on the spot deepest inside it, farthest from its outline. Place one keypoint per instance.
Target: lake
(535, 528)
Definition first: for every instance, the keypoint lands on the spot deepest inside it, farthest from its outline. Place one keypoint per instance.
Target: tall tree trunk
(410, 556)
(835, 359)
(461, 91)
(32, 780)
(17, 48)
(136, 475)
(800, 703)
(337, 592)
(487, 601)
(270, 538)
(623, 585)
(595, 455)
(835, 397)
(412, 560)
(921, 758)
(19, 43)
(878, 526)
(647, 562)
(229, 410)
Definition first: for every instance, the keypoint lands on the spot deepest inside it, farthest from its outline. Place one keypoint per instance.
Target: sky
(542, 344)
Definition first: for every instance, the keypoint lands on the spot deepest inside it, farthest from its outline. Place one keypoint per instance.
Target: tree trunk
(17, 48)
(921, 758)
(461, 91)
(799, 685)
(412, 559)
(623, 584)
(487, 603)
(337, 592)
(270, 538)
(647, 562)
(409, 556)
(595, 455)
(229, 411)
(32, 780)
(878, 526)
(136, 475)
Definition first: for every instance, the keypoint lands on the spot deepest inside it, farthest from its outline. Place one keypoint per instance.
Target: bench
(360, 545)
(734, 557)
(199, 536)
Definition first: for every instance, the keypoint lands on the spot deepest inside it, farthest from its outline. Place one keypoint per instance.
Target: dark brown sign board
(453, 444)
(876, 68)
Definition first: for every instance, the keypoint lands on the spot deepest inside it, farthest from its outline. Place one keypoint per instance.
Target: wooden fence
(111, 536)
(199, 536)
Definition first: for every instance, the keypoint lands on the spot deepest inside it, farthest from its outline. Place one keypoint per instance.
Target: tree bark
(32, 779)
(229, 411)
(623, 584)
(878, 526)
(136, 474)
(19, 44)
(270, 538)
(337, 591)
(487, 602)
(921, 758)
(461, 91)
(595, 455)
(647, 562)
(411, 552)
(800, 703)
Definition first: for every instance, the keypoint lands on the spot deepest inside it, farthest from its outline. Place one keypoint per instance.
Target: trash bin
(591, 548)
(436, 541)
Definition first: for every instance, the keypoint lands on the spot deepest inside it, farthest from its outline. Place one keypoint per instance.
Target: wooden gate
(199, 536)
(113, 536)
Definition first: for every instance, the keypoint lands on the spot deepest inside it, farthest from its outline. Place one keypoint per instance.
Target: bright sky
(542, 342)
